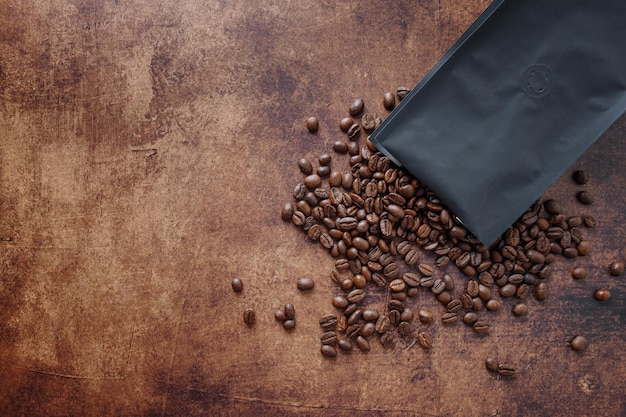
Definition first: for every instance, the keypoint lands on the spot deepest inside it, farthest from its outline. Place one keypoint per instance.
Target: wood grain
(146, 149)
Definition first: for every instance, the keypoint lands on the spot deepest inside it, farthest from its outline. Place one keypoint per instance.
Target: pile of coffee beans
(392, 238)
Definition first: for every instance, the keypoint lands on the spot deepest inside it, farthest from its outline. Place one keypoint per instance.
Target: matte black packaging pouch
(516, 100)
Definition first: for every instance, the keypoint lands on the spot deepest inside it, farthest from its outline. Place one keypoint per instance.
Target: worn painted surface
(146, 148)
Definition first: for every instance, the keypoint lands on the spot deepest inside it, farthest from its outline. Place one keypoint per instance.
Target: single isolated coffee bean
(578, 343)
(237, 285)
(584, 197)
(520, 309)
(424, 315)
(312, 124)
(356, 107)
(580, 177)
(389, 101)
(616, 268)
(481, 326)
(305, 284)
(402, 92)
(602, 294)
(579, 272)
(424, 340)
(249, 316)
(506, 370)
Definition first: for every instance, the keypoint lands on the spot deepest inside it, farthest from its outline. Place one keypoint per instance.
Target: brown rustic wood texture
(146, 148)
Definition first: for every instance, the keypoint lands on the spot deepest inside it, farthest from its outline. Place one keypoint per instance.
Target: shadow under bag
(515, 101)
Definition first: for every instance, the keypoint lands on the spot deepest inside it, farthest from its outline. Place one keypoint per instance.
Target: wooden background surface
(146, 148)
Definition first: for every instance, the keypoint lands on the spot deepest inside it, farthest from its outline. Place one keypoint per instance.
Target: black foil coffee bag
(515, 101)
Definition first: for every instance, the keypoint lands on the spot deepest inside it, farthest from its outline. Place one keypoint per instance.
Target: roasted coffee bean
(616, 268)
(386, 339)
(305, 166)
(350, 309)
(329, 338)
(484, 292)
(290, 311)
(402, 92)
(368, 329)
(356, 296)
(362, 343)
(368, 122)
(424, 315)
(584, 197)
(391, 271)
(356, 107)
(466, 300)
(541, 291)
(470, 318)
(328, 321)
(353, 330)
(491, 364)
(354, 317)
(425, 270)
(445, 297)
(570, 252)
(580, 177)
(370, 315)
(279, 315)
(389, 101)
(345, 123)
(406, 315)
(286, 212)
(424, 340)
(404, 328)
(412, 292)
(506, 370)
(602, 294)
(522, 291)
(578, 343)
(237, 285)
(438, 287)
(448, 318)
(340, 147)
(589, 221)
(520, 309)
(397, 285)
(508, 290)
(313, 181)
(493, 305)
(411, 279)
(249, 316)
(477, 303)
(428, 282)
(328, 351)
(340, 302)
(345, 345)
(473, 287)
(312, 124)
(411, 257)
(583, 248)
(579, 272)
(535, 256)
(383, 324)
(454, 306)
(481, 326)
(552, 206)
(353, 133)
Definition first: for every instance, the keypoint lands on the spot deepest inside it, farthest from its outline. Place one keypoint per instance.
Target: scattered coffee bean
(449, 318)
(368, 122)
(289, 324)
(616, 268)
(305, 284)
(470, 318)
(580, 177)
(249, 316)
(424, 340)
(424, 315)
(356, 107)
(305, 166)
(602, 294)
(402, 92)
(389, 101)
(493, 305)
(506, 370)
(491, 364)
(579, 272)
(584, 197)
(541, 291)
(520, 309)
(481, 326)
(312, 124)
(578, 343)
(345, 345)
(279, 315)
(362, 343)
(237, 285)
(290, 311)
(329, 351)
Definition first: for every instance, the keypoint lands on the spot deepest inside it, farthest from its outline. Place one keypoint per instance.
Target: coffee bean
(305, 284)
(249, 316)
(584, 197)
(616, 268)
(578, 343)
(426, 270)
(286, 212)
(481, 326)
(570, 252)
(473, 288)
(346, 123)
(328, 321)
(368, 122)
(602, 294)
(362, 343)
(445, 297)
(470, 318)
(345, 345)
(397, 285)
(580, 177)
(356, 107)
(350, 309)
(522, 291)
(370, 315)
(583, 248)
(289, 324)
(402, 92)
(329, 338)
(438, 287)
(329, 351)
(424, 340)
(449, 318)
(356, 296)
(454, 306)
(493, 305)
(313, 181)
(312, 124)
(520, 309)
(424, 315)
(508, 290)
(579, 272)
(386, 339)
(383, 324)
(491, 364)
(279, 315)
(290, 311)
(237, 285)
(506, 370)
(389, 101)
(589, 221)
(541, 291)
(404, 328)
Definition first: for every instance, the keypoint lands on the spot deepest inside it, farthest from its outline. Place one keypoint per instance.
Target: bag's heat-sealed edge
(513, 103)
